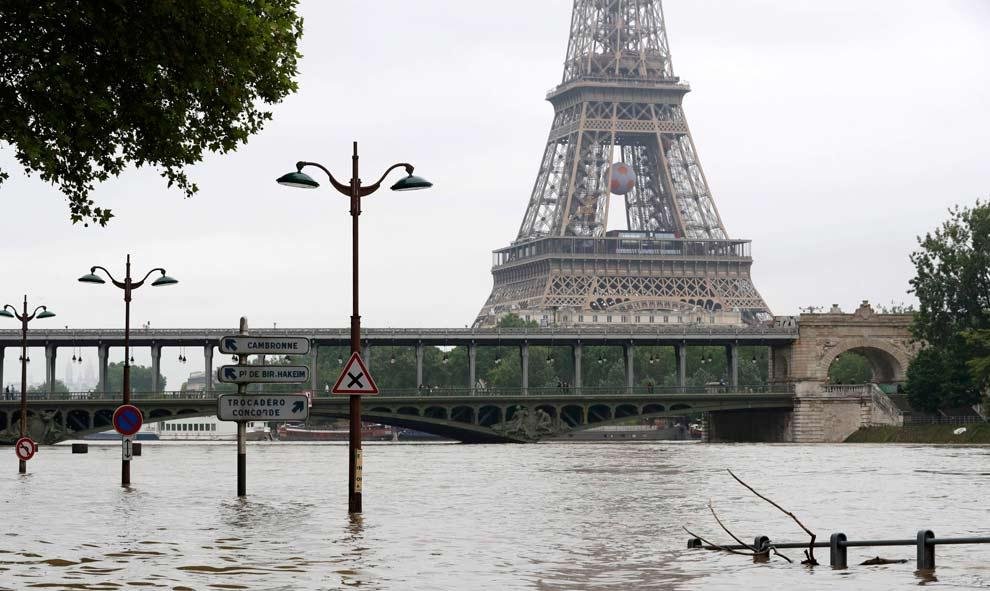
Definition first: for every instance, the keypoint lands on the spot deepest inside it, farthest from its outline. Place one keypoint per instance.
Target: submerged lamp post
(24, 317)
(355, 190)
(128, 285)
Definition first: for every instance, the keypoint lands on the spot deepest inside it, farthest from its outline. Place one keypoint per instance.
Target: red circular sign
(127, 419)
(25, 448)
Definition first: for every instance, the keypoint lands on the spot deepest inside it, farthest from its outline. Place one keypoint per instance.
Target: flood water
(555, 516)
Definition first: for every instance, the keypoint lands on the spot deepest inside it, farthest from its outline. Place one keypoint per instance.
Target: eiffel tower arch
(619, 131)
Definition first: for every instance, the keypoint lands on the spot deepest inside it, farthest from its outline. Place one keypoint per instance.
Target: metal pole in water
(242, 427)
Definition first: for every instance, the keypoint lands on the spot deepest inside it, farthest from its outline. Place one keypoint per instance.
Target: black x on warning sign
(355, 378)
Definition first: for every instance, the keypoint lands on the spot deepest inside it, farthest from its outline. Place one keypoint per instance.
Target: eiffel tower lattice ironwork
(619, 130)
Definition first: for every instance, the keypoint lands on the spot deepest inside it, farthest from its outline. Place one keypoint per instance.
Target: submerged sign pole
(242, 427)
(243, 408)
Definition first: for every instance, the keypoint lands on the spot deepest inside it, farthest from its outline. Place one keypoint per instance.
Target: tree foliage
(140, 378)
(850, 368)
(88, 87)
(952, 284)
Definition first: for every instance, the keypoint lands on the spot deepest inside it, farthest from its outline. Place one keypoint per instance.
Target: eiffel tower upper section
(619, 132)
(619, 100)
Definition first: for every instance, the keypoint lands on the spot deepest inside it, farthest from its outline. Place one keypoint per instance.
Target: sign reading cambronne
(263, 374)
(243, 345)
(263, 407)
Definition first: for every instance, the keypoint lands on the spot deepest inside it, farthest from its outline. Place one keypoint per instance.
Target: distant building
(195, 383)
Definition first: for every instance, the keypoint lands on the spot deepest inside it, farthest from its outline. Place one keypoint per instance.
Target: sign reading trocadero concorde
(246, 345)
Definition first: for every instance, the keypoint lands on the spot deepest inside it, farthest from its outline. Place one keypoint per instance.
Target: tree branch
(713, 545)
(810, 552)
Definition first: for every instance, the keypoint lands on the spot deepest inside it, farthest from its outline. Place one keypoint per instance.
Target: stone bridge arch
(883, 339)
(889, 363)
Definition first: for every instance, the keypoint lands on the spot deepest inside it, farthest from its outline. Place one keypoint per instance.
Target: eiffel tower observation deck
(619, 132)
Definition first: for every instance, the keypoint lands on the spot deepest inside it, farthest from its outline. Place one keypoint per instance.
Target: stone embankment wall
(830, 414)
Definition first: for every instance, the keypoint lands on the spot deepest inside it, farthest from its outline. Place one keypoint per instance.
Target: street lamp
(355, 190)
(25, 318)
(128, 285)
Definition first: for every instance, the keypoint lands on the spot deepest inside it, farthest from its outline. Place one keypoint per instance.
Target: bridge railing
(431, 392)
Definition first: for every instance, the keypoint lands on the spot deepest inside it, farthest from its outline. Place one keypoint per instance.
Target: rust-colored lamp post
(355, 190)
(128, 285)
(24, 317)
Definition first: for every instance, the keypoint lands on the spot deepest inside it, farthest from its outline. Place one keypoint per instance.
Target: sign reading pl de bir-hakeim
(263, 374)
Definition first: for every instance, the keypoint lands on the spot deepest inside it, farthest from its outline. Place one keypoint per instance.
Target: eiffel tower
(619, 131)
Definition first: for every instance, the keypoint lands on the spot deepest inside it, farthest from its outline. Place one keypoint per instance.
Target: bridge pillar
(472, 365)
(680, 354)
(732, 359)
(419, 364)
(576, 352)
(156, 363)
(50, 354)
(366, 354)
(314, 356)
(102, 352)
(629, 349)
(208, 366)
(524, 363)
(1, 367)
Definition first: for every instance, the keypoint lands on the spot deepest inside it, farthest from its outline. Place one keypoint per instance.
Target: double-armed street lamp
(9, 311)
(355, 190)
(128, 285)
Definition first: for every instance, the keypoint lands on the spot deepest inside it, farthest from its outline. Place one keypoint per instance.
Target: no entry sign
(127, 419)
(25, 448)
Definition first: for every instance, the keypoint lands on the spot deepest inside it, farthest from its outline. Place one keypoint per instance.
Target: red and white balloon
(622, 178)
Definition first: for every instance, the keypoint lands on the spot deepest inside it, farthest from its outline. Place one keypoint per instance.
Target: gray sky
(832, 134)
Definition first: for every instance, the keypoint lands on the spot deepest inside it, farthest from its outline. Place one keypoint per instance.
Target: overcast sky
(832, 134)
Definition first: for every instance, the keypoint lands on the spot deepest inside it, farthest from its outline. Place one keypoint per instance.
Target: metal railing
(434, 392)
(838, 545)
(968, 420)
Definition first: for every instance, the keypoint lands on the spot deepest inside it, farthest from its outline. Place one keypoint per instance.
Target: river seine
(543, 517)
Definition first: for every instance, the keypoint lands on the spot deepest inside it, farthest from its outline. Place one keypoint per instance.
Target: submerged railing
(838, 545)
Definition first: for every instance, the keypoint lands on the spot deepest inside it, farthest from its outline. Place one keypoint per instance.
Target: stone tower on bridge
(883, 339)
(619, 133)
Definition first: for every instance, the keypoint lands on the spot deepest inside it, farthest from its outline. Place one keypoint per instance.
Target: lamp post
(24, 317)
(128, 285)
(355, 190)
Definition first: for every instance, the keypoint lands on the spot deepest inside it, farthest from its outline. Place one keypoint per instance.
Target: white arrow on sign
(263, 407)
(263, 374)
(243, 345)
(355, 379)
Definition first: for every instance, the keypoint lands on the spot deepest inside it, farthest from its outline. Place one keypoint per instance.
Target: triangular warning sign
(355, 378)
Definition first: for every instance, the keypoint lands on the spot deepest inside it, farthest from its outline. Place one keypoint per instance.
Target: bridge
(800, 352)
(680, 337)
(494, 416)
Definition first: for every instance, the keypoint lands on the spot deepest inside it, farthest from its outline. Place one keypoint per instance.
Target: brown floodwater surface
(457, 517)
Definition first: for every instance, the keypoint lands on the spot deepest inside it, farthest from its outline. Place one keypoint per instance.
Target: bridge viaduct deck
(628, 337)
(502, 416)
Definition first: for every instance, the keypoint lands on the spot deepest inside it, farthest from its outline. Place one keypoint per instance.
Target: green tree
(88, 87)
(57, 387)
(952, 284)
(850, 368)
(140, 378)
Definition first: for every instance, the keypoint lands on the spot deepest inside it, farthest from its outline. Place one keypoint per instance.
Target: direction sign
(25, 448)
(355, 378)
(263, 407)
(127, 419)
(263, 374)
(244, 345)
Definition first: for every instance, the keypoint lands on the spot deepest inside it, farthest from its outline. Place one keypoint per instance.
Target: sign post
(355, 381)
(242, 407)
